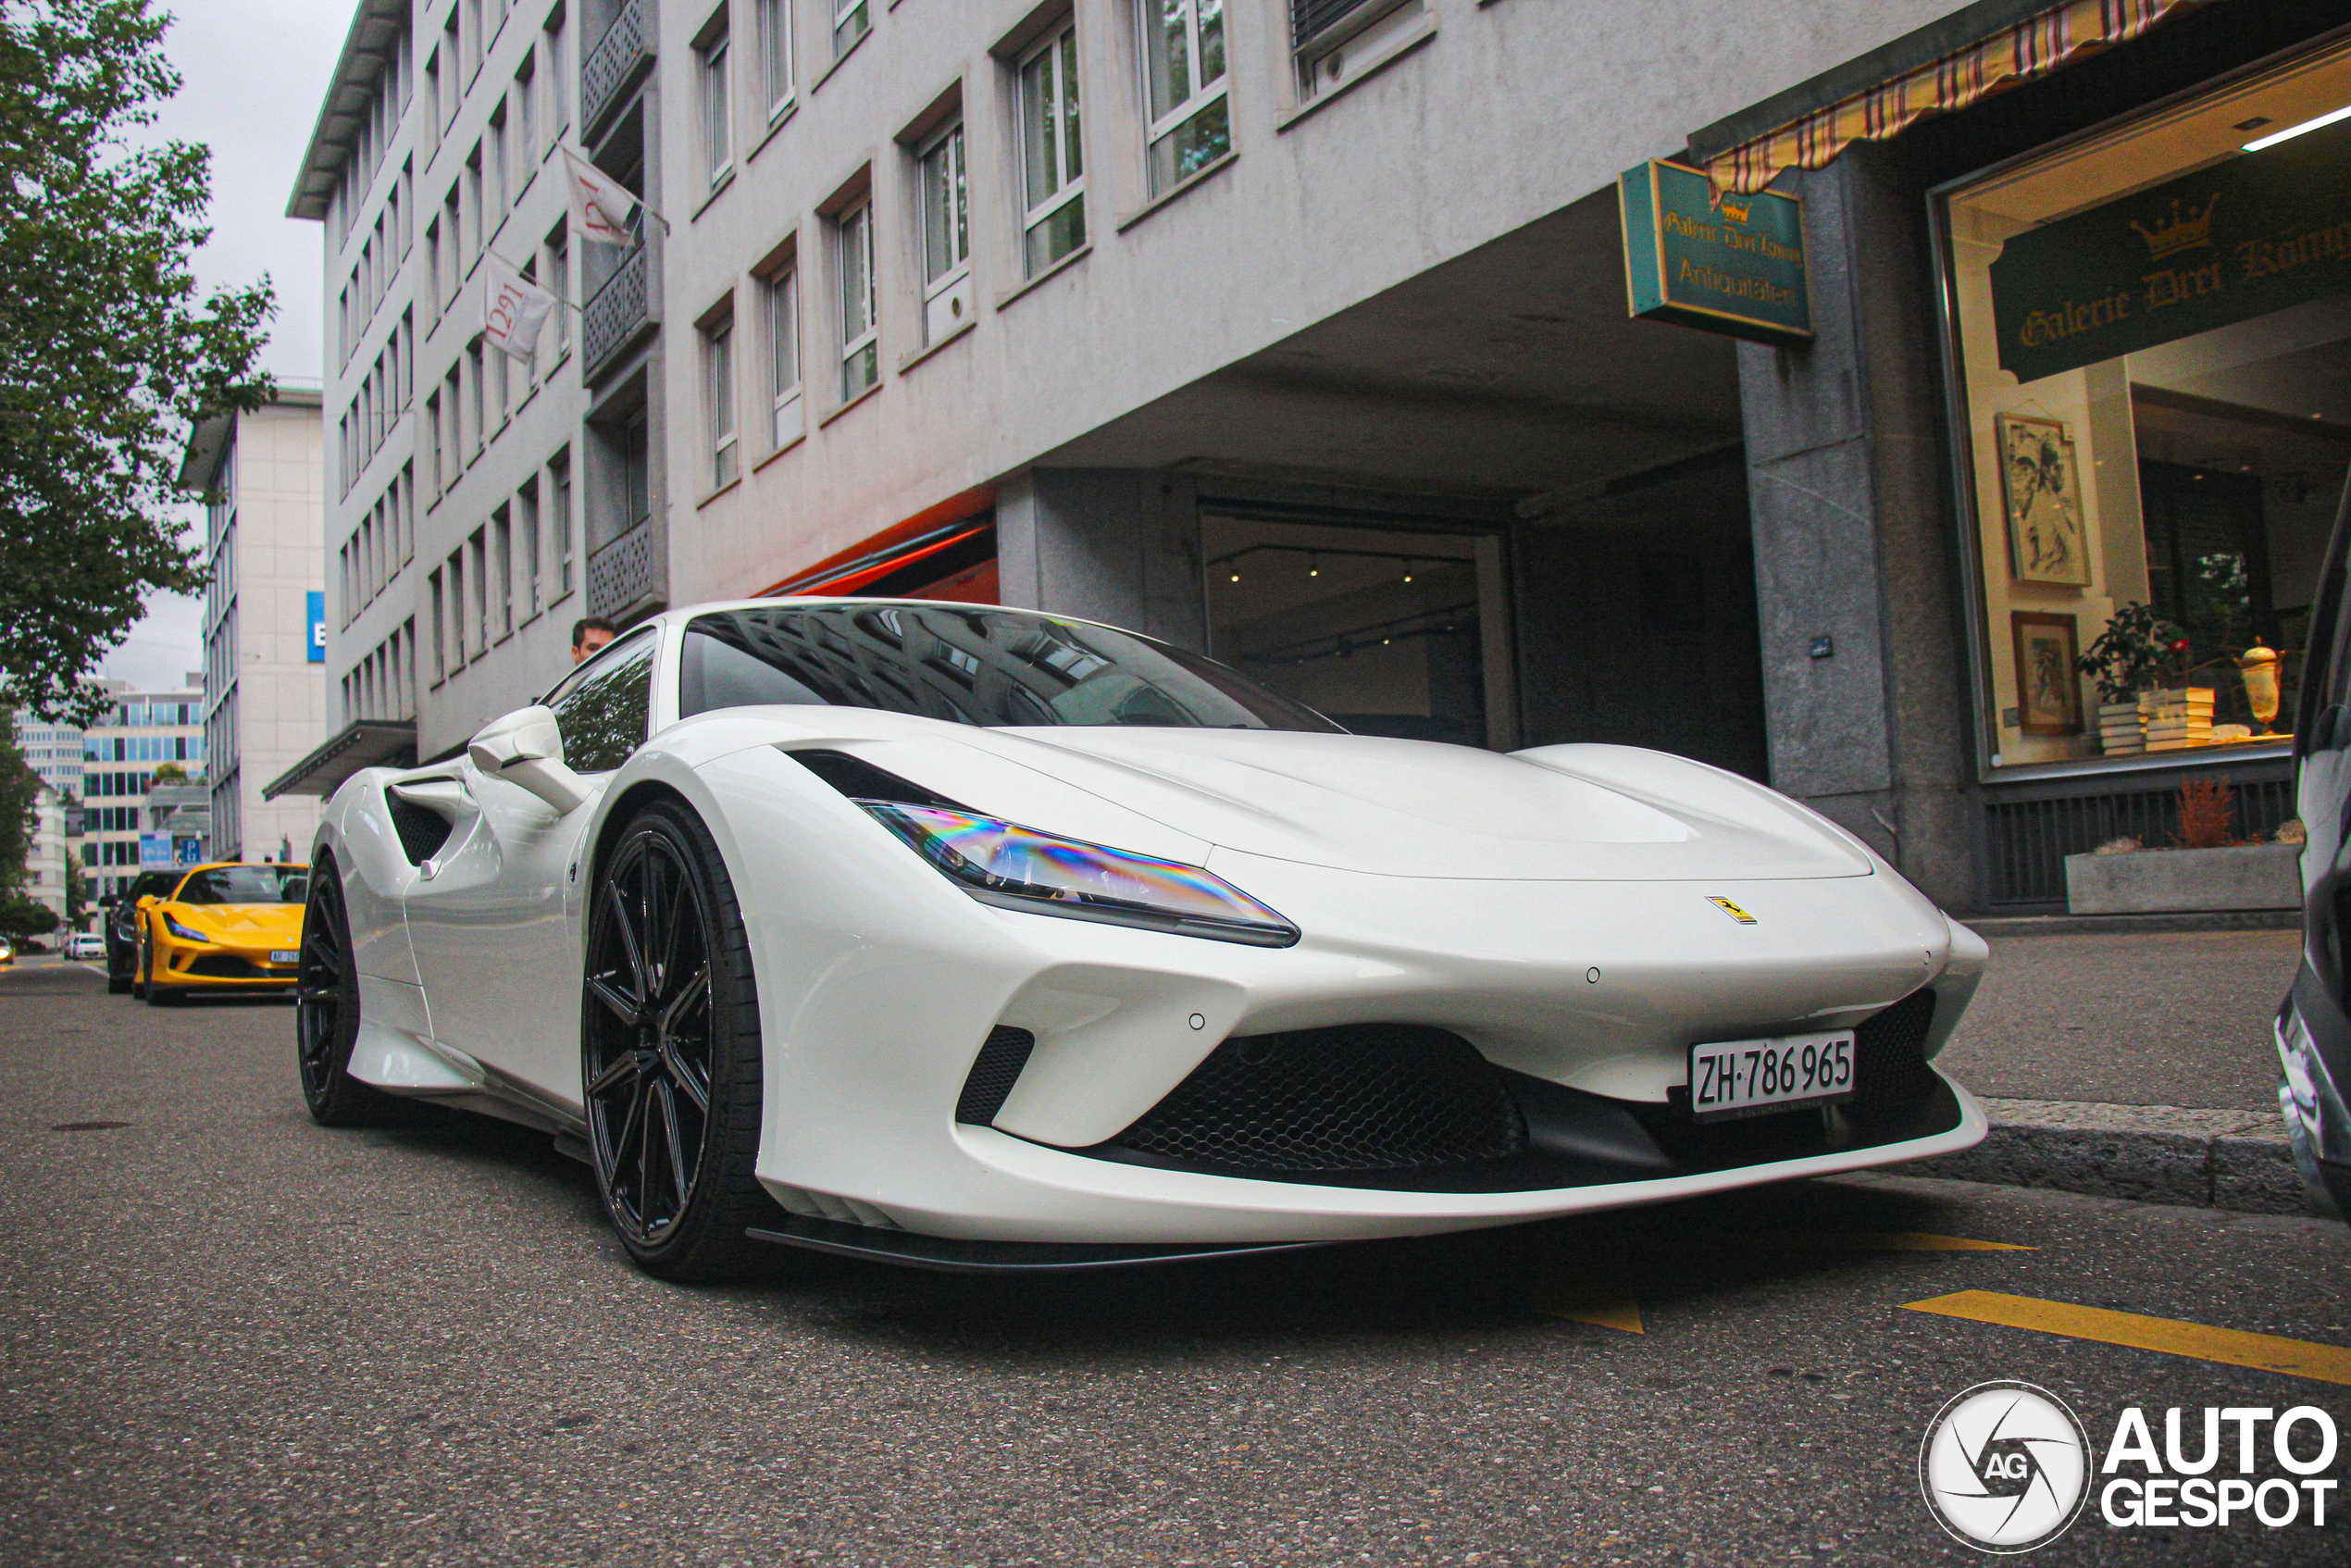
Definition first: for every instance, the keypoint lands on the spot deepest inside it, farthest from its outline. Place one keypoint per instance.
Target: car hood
(279, 923)
(1357, 802)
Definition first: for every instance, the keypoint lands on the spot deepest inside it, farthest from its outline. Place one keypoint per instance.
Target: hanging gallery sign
(2256, 233)
(1735, 267)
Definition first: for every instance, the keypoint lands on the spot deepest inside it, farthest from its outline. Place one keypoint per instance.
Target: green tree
(20, 794)
(106, 353)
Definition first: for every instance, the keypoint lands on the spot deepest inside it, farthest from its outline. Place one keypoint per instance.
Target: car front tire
(326, 1015)
(670, 1051)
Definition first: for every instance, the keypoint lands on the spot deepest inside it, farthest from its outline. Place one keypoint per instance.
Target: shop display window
(2152, 389)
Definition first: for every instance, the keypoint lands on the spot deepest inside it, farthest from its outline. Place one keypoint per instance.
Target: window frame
(780, 308)
(849, 14)
(778, 58)
(858, 340)
(931, 150)
(1058, 49)
(713, 102)
(1160, 127)
(722, 420)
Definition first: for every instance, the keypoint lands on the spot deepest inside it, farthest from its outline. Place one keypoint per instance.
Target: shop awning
(369, 743)
(1889, 103)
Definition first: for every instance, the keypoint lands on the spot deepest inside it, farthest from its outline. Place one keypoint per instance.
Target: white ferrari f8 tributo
(980, 939)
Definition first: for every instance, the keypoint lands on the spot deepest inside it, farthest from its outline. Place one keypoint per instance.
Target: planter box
(2166, 881)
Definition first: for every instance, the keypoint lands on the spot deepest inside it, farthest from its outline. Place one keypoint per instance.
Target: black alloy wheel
(669, 1050)
(326, 1014)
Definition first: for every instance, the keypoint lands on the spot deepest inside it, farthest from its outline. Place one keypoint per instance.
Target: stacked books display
(2176, 720)
(2121, 729)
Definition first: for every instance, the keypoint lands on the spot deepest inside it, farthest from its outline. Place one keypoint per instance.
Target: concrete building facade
(141, 732)
(53, 751)
(265, 702)
(1297, 332)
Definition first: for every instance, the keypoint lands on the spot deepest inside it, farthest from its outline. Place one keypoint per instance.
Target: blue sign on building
(317, 608)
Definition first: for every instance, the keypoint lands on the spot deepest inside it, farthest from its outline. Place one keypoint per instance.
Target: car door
(489, 915)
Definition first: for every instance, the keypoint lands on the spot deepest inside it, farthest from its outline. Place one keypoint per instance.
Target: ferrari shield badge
(1734, 910)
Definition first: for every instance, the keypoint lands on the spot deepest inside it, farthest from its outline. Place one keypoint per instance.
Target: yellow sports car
(225, 927)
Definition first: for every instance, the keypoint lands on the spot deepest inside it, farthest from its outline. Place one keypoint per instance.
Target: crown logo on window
(2180, 231)
(1736, 208)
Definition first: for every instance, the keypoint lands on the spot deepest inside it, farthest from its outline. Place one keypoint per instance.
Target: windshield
(247, 884)
(968, 665)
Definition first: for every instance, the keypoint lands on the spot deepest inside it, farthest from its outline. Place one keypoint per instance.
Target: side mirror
(525, 747)
(108, 901)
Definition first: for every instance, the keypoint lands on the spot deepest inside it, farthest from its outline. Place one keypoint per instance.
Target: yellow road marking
(2232, 1347)
(1889, 1241)
(1599, 1304)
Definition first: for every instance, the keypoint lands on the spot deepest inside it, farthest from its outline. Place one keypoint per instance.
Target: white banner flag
(600, 205)
(512, 308)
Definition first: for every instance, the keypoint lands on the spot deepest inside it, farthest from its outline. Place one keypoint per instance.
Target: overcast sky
(253, 72)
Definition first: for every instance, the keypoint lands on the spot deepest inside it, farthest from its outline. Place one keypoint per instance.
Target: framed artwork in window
(2048, 686)
(2041, 492)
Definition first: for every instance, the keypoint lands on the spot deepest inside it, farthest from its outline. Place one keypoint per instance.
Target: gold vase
(2259, 668)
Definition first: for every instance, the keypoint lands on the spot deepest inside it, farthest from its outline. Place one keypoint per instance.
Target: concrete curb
(2114, 925)
(2237, 1159)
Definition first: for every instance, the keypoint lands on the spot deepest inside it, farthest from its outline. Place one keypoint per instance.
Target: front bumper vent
(1370, 1097)
(993, 1074)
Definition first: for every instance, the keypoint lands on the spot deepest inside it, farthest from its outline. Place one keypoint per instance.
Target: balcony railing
(614, 66)
(610, 321)
(624, 576)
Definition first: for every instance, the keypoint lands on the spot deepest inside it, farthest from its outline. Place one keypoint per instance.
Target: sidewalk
(2131, 1066)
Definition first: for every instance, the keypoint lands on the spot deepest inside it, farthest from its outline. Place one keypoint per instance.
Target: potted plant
(2136, 656)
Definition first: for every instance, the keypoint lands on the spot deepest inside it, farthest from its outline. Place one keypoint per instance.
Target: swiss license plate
(284, 957)
(1752, 1077)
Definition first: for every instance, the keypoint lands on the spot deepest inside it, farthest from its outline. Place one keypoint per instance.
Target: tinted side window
(605, 709)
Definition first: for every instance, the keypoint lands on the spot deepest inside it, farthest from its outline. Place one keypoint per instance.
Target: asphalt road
(2131, 1018)
(229, 1337)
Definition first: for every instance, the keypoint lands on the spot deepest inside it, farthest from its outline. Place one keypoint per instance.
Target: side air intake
(1891, 1070)
(993, 1074)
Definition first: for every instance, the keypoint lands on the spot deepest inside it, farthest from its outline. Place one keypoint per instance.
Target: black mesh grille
(227, 966)
(422, 830)
(993, 1074)
(1892, 1070)
(1367, 1097)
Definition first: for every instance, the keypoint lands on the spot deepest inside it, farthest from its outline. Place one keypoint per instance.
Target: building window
(559, 285)
(481, 607)
(1333, 40)
(859, 332)
(457, 573)
(719, 398)
(500, 183)
(559, 518)
(1183, 53)
(527, 516)
(478, 407)
(558, 106)
(1052, 164)
(775, 45)
(947, 240)
(526, 97)
(785, 422)
(851, 23)
(717, 132)
(2152, 467)
(502, 558)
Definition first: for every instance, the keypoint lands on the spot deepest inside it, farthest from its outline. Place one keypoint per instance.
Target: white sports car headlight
(1016, 867)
